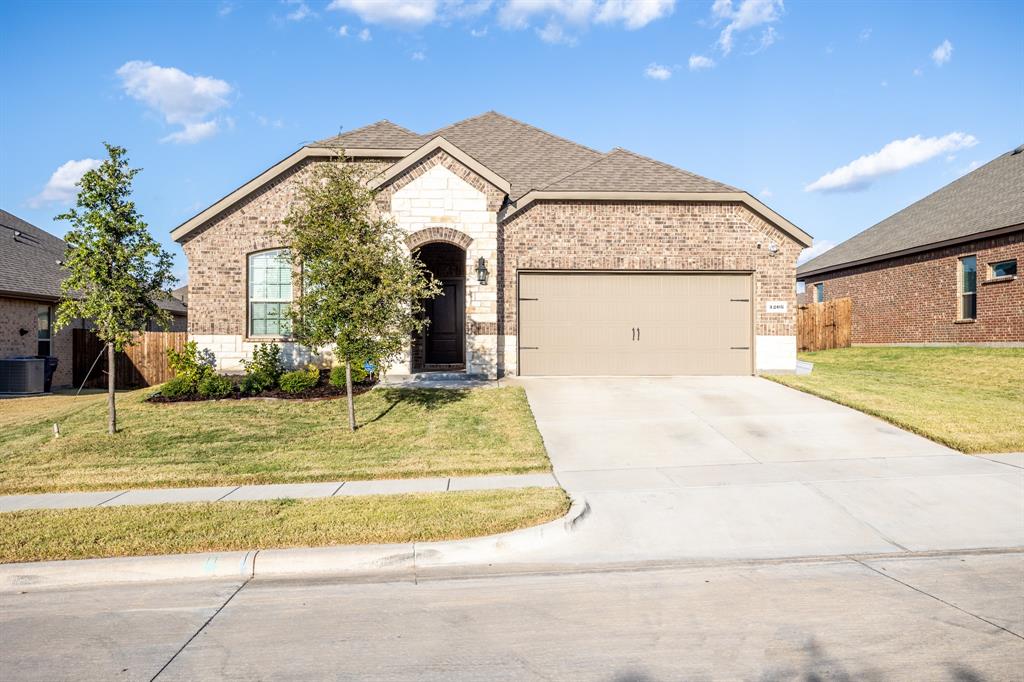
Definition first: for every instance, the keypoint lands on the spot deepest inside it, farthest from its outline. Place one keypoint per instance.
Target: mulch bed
(322, 391)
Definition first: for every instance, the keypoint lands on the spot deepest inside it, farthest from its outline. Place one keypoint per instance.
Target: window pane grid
(270, 294)
(968, 288)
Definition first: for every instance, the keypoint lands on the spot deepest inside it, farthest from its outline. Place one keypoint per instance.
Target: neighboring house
(555, 258)
(31, 270)
(943, 270)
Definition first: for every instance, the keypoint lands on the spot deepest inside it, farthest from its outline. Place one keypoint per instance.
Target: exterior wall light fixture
(481, 270)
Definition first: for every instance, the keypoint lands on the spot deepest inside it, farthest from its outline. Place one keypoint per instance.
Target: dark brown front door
(445, 344)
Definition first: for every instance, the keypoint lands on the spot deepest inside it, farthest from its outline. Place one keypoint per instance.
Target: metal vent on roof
(1018, 150)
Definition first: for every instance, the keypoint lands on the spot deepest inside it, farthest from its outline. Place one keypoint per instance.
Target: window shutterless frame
(819, 292)
(44, 329)
(967, 276)
(1003, 268)
(269, 294)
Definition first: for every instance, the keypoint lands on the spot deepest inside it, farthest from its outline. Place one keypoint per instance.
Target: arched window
(270, 293)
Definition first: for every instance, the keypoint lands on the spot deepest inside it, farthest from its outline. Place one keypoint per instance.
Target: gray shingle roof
(621, 170)
(988, 198)
(28, 262)
(28, 259)
(380, 135)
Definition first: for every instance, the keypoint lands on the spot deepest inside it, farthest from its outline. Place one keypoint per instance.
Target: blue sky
(782, 100)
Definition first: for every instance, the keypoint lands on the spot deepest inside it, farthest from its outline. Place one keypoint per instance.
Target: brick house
(555, 258)
(30, 277)
(941, 271)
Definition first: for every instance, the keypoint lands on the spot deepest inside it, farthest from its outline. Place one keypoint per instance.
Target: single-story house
(31, 270)
(556, 259)
(944, 270)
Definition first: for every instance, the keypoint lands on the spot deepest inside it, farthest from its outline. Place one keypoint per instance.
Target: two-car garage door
(639, 324)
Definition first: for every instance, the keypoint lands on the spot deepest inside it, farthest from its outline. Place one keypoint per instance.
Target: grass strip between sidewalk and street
(969, 398)
(404, 433)
(94, 532)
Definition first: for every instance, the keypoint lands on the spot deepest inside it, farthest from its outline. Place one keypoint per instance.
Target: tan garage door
(624, 324)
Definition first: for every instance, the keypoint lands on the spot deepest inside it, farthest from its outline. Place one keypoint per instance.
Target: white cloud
(893, 157)
(410, 13)
(343, 31)
(418, 56)
(633, 14)
(301, 10)
(973, 165)
(225, 8)
(768, 38)
(865, 34)
(269, 123)
(819, 248)
(749, 14)
(658, 72)
(365, 35)
(700, 62)
(767, 193)
(517, 13)
(182, 99)
(478, 33)
(60, 188)
(918, 72)
(553, 33)
(943, 53)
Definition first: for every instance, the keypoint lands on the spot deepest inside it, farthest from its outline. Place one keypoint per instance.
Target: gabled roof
(986, 200)
(621, 170)
(380, 135)
(28, 259)
(31, 263)
(526, 163)
(526, 156)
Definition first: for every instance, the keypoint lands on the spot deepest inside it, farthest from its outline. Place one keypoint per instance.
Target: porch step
(438, 380)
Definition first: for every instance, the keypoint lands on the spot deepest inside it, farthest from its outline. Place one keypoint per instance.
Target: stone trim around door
(447, 235)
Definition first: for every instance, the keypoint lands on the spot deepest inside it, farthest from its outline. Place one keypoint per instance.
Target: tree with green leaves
(361, 290)
(117, 272)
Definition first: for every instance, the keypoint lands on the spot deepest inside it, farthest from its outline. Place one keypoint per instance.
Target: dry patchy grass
(405, 433)
(971, 399)
(55, 534)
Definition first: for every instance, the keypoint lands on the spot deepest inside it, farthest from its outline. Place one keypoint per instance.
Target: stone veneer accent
(915, 299)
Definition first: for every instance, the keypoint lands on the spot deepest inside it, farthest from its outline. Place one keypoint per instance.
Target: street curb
(312, 561)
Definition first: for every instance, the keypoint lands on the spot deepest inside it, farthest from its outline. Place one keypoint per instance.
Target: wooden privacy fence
(144, 363)
(820, 326)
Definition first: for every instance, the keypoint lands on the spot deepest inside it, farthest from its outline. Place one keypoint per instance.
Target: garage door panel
(583, 323)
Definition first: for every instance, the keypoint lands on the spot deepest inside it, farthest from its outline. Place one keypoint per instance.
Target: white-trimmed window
(1003, 268)
(270, 293)
(44, 329)
(819, 292)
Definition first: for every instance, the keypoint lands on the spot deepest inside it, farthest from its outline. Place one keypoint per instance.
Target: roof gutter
(744, 198)
(912, 250)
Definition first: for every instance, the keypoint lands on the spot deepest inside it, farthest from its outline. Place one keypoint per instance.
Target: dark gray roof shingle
(28, 259)
(988, 198)
(28, 262)
(380, 135)
(621, 170)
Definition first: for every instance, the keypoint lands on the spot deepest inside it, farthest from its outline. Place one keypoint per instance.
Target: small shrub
(300, 380)
(192, 366)
(216, 386)
(359, 373)
(178, 387)
(264, 370)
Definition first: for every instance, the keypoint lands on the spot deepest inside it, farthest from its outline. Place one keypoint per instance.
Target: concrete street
(924, 618)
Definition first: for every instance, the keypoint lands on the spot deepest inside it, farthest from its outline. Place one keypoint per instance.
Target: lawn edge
(781, 380)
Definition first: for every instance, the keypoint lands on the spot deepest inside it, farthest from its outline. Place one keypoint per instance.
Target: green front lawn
(404, 433)
(971, 399)
(47, 535)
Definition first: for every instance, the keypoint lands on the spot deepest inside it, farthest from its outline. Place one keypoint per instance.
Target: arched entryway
(442, 346)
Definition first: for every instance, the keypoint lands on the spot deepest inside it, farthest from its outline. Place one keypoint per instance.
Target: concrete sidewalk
(112, 498)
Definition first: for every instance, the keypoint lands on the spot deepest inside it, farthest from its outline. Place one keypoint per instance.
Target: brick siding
(17, 314)
(915, 298)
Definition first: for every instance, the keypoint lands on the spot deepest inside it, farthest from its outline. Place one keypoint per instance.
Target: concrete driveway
(740, 467)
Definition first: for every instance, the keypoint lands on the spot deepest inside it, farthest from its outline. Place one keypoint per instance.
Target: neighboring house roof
(31, 263)
(380, 135)
(526, 163)
(181, 293)
(29, 258)
(985, 200)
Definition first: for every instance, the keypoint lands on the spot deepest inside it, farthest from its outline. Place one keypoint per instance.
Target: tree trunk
(111, 380)
(348, 389)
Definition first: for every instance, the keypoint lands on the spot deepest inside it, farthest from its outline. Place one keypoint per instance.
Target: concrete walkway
(271, 492)
(740, 467)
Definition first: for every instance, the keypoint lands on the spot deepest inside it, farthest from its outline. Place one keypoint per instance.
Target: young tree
(117, 272)
(362, 291)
